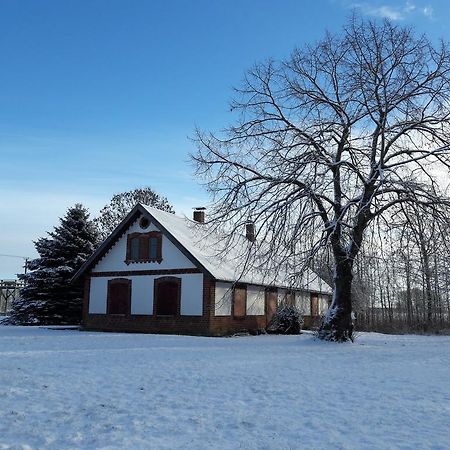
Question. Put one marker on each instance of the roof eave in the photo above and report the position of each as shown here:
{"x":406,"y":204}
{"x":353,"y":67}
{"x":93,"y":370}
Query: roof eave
{"x":125,"y":223}
{"x":104,"y":246}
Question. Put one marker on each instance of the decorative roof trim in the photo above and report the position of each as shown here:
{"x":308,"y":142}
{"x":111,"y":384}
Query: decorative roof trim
{"x":118,"y":232}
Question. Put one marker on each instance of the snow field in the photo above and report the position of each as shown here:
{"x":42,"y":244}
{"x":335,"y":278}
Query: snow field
{"x":62,"y":389}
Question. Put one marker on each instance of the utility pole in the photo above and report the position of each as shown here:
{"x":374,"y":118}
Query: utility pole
{"x":25,"y":258}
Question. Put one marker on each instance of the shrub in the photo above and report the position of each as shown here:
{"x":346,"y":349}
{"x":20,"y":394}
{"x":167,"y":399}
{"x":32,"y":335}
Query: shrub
{"x":286,"y":320}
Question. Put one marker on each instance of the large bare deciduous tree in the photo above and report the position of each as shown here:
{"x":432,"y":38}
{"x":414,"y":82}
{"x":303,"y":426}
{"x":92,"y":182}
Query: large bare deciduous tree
{"x":329,"y":142}
{"x":121,"y":204}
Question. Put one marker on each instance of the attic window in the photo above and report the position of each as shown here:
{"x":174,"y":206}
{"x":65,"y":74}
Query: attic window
{"x":144,"y":247}
{"x":144,"y":223}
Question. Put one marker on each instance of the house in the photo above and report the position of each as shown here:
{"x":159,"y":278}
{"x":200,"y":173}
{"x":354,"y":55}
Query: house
{"x":160,"y":273}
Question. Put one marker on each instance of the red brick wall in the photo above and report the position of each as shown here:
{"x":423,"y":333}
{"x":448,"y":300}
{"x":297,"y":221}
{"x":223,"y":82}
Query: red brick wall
{"x":196,"y":325}
{"x":311,"y":322}
{"x":86,"y":290}
{"x":225,"y":325}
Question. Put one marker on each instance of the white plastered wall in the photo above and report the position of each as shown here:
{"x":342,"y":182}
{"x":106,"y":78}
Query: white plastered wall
{"x":191,"y":295}
{"x":281,"y":296}
{"x":223,"y":299}
{"x":303,"y":302}
{"x":114,"y":260}
{"x":323,"y":304}
{"x":97,"y":295}
{"x":142,"y":289}
{"x":255,"y":300}
{"x":142,"y":295}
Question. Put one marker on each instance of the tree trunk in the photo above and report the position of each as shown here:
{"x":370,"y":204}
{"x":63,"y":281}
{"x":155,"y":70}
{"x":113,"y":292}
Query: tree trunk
{"x":409,"y":310}
{"x":337,"y":325}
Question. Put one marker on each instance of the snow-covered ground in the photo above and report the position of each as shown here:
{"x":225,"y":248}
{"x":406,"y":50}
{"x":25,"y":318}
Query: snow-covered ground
{"x":80,"y":390}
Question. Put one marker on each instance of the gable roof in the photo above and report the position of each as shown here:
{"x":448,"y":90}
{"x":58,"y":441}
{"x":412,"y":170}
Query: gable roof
{"x":201,"y":247}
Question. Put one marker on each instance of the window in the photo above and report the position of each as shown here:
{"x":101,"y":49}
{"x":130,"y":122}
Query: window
{"x":239,"y":301}
{"x":144,"y":223}
{"x":119,"y":296}
{"x":144,"y":247}
{"x":153,"y":248}
{"x":134,"y":251}
{"x":167,"y":296}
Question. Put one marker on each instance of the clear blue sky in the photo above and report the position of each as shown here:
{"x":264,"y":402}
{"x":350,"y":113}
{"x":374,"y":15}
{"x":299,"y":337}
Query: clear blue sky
{"x":86,"y":85}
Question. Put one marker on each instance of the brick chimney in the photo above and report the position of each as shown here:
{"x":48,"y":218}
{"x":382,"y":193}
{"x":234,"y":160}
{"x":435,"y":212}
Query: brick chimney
{"x":199,"y":214}
{"x":250,"y":231}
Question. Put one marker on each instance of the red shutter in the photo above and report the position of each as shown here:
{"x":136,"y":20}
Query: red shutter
{"x":119,"y":297}
{"x":314,"y":305}
{"x":271,"y":303}
{"x":240,"y":301}
{"x":167,"y":297}
{"x":143,"y":247}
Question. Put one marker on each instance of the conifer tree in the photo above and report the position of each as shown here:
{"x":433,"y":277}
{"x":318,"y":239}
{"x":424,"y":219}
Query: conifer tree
{"x":48,"y":296}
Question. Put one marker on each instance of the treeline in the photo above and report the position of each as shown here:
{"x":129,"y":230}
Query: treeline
{"x":402,"y":279}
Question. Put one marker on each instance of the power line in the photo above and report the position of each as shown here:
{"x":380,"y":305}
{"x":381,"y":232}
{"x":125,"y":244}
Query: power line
{"x":25,"y":259}
{"x":15,"y":256}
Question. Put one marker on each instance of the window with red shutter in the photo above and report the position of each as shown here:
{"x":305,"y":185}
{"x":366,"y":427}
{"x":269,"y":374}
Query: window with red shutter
{"x":144,"y":247}
{"x":167,"y":296}
{"x":119,"y":296}
{"x":153,"y":248}
{"x":134,"y":248}
{"x":314,"y":305}
{"x":240,"y":301}
{"x":271,"y":303}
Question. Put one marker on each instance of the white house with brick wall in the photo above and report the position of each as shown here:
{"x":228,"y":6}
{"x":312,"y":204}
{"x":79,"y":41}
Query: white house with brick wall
{"x":160,"y":273}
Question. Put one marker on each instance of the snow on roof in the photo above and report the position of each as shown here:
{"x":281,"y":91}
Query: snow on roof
{"x":234,"y":264}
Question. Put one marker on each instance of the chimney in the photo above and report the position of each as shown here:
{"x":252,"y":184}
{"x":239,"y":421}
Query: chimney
{"x":250,"y":231}
{"x":199,"y":214}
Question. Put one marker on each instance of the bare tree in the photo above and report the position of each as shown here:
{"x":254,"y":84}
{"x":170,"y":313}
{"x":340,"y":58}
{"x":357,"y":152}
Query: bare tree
{"x":121,"y":204}
{"x":329,"y":142}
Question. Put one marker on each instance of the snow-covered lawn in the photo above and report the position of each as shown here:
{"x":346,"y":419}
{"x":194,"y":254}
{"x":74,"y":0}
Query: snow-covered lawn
{"x":71,"y":389}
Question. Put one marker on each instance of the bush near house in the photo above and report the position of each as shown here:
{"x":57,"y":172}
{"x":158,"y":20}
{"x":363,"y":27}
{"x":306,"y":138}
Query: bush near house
{"x":286,"y":320}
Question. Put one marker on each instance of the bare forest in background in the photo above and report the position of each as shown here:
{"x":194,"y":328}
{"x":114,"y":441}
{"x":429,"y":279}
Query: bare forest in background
{"x":402,"y":276}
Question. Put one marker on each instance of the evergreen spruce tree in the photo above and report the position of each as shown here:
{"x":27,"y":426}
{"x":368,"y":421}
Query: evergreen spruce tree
{"x":48,"y":296}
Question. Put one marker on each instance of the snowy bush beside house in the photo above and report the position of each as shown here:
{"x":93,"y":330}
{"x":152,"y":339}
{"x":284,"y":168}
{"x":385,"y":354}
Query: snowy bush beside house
{"x":65,"y":389}
{"x":161,"y":273}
